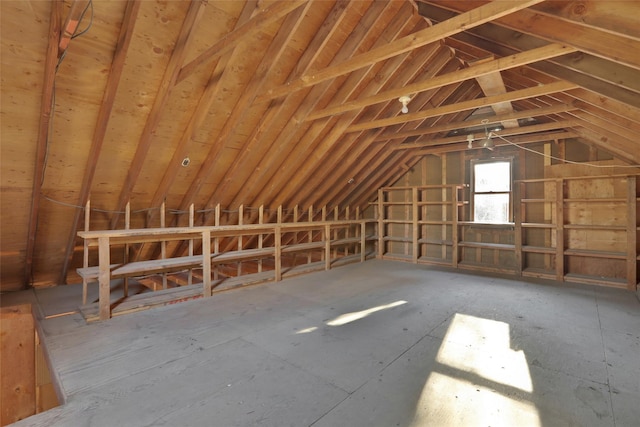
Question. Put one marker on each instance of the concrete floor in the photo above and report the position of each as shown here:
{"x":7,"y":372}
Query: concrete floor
{"x":373,"y":344}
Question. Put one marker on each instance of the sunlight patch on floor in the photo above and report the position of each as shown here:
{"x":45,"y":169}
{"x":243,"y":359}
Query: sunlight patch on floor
{"x":478,"y":380}
{"x":343,"y":319}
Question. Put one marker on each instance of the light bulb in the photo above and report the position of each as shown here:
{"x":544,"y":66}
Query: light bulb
{"x":405,"y":109}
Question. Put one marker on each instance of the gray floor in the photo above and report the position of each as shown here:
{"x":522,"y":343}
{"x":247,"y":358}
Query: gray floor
{"x":374,"y":344}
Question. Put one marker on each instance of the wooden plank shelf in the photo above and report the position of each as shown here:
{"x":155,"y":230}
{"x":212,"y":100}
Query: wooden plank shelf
{"x":595,"y":254}
{"x":435,"y":222}
{"x":435,"y":242}
{"x":538,"y":249}
{"x":596,"y":200}
{"x":537,"y":225}
{"x":106,"y":238}
{"x":594,"y":227}
{"x":498,"y":246}
{"x":595,"y":280}
{"x":539,"y":273}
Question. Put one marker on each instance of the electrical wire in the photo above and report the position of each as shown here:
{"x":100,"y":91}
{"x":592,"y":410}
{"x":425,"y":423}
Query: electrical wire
{"x":559,"y":159}
{"x":78,"y":34}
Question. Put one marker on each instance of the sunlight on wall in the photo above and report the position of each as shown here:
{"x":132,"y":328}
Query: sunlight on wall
{"x":479,"y":379}
{"x":356,"y":315}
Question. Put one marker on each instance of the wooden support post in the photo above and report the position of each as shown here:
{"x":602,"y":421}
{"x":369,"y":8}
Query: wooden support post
{"x":414,"y":219}
{"x":336,"y":231}
{"x":327,"y":247}
{"x":310,"y":233}
{"x":380,"y":223}
{"x":216,"y":240}
{"x":163,"y":244}
{"x":632,"y":230}
{"x":127,"y":226}
{"x":240,"y":239}
{"x":206,"y":263}
{"x":560,"y":230}
{"x":85,"y":255}
{"x":279,"y":218}
{"x":363,"y":241}
{"x":104,"y":278}
{"x":191,"y":224}
{"x":260,"y":236}
{"x":455,"y":251}
{"x":347,"y":232}
{"x":517,"y":238}
{"x":278,"y":249}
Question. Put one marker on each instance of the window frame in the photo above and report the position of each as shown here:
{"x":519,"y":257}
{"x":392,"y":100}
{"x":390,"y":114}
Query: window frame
{"x":473,"y":163}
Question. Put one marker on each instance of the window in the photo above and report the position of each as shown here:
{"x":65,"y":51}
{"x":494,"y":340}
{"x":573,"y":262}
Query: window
{"x":491,"y":187}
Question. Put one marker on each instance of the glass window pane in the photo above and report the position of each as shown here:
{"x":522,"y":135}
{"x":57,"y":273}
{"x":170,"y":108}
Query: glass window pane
{"x":491,"y":208}
{"x":494,"y":176}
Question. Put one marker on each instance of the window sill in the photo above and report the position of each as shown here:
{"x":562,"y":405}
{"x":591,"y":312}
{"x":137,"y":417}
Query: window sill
{"x":501,"y":226}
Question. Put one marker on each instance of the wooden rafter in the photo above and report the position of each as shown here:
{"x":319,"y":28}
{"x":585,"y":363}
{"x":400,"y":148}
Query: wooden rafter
{"x":330,"y":25}
{"x":537,"y":112}
{"x":429,"y":35}
{"x":466,"y":105}
{"x":321,"y":137}
{"x":605,"y":44}
{"x":506,"y":132}
{"x":196,"y":9}
{"x":398,"y":72}
{"x":46,"y":105}
{"x":198,"y":116}
{"x":275,"y":11}
{"x":500,"y":64}
{"x":599,"y":75}
{"x":102,"y":122}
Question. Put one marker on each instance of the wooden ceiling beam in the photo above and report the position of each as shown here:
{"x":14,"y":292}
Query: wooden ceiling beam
{"x":198,"y":117}
{"x":102,"y":122}
{"x":46,"y":106}
{"x":596,"y":74}
{"x":169,"y":79}
{"x":462,"y":22}
{"x":247,"y":163}
{"x":336,"y":146}
{"x":536,"y":112}
{"x":605,"y":44}
{"x":466,"y":105}
{"x":504,"y":133}
{"x":321,"y":137}
{"x":296,"y":107}
{"x":377,"y":157}
{"x":609,"y":142}
{"x":520,"y":140}
{"x":500,"y":64}
{"x":266,"y":17}
{"x":365,"y":155}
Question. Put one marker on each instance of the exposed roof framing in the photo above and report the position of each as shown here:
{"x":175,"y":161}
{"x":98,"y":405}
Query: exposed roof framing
{"x":218,"y":104}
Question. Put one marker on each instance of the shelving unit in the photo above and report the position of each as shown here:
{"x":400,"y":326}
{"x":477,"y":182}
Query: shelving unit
{"x":579,"y":229}
{"x":570,"y":229}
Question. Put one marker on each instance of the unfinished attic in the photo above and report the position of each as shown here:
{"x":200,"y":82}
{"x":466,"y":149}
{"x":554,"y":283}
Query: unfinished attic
{"x":350,"y":200}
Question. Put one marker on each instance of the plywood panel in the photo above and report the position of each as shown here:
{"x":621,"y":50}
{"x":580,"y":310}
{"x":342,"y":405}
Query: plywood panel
{"x":18,"y":378}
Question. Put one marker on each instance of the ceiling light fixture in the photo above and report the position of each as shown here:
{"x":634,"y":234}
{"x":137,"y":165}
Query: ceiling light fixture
{"x":486,"y":142}
{"x":404,"y":100}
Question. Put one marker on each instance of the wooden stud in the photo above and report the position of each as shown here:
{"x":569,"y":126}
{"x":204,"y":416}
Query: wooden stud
{"x":125,"y":258}
{"x":191,"y":224}
{"x":206,"y":263}
{"x":104,"y":278}
{"x":560,"y":230}
{"x":102,"y":121}
{"x":163,"y":244}
{"x":632,"y":234}
{"x":260,"y":236}
{"x":381,"y":226}
{"x":240,"y":238}
{"x":414,"y":225}
{"x":327,"y":247}
{"x":278,"y":252}
{"x":85,"y":255}
{"x":46,"y":107}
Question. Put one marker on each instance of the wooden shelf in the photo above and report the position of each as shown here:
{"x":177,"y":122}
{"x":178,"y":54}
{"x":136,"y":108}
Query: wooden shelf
{"x":435,"y":242}
{"x":397,"y":221}
{"x":539,"y":273}
{"x":498,"y":246}
{"x":538,"y":225}
{"x":596,"y":200}
{"x":437,"y":203}
{"x":595,"y":280}
{"x":595,"y":254}
{"x":537,"y":201}
{"x":594,"y":227}
{"x":538,"y":249}
{"x":422,"y":222}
